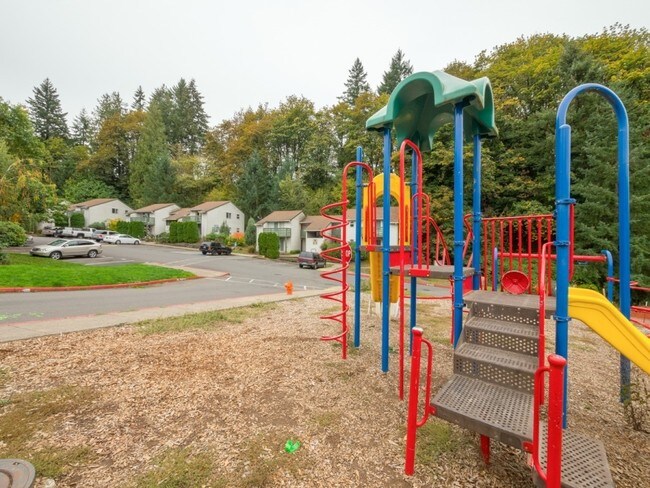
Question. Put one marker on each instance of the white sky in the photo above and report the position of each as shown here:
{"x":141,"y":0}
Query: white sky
{"x":255,"y":51}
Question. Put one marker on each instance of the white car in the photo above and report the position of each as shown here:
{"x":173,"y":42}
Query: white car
{"x":121,"y":239}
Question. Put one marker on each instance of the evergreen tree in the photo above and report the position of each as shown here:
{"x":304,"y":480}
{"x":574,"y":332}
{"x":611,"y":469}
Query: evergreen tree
{"x":108,"y":105}
{"x":151,"y":178}
{"x":187,"y":121}
{"x":199,"y":126}
{"x":399,"y":69}
{"x":46,"y":113}
{"x":256,"y":189}
{"x":356,"y":84}
{"x":251,"y":232}
{"x":138,"y":99}
{"x":82,"y":129}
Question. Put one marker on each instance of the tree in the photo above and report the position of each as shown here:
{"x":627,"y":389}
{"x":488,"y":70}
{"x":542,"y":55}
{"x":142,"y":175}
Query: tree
{"x":46,"y":113}
{"x":187,"y":121}
{"x":82,"y":129}
{"x":251,"y":232}
{"x":399,"y":69}
{"x":138,"y":99}
{"x":87,"y":189}
{"x":257,"y":189}
{"x":109,"y":105}
{"x":17,"y":132}
{"x":151,"y":178}
{"x":356,"y":84}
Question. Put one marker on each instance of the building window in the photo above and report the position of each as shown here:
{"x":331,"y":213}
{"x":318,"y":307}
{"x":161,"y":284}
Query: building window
{"x":114,"y":210}
{"x":237,"y":219}
{"x":228,"y":215}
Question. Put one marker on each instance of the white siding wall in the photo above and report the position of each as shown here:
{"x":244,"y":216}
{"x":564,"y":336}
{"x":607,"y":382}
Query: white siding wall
{"x":229,"y":213}
{"x":160,"y":225}
{"x":105,"y":212}
{"x":394,"y":231}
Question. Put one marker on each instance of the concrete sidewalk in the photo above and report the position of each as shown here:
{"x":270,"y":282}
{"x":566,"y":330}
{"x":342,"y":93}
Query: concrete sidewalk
{"x":29,"y":330}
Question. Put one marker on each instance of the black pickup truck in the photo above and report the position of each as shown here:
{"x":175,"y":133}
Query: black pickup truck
{"x":214,"y":248}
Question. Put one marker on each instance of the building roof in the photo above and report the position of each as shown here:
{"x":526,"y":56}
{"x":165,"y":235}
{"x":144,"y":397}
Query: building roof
{"x":207,"y":206}
{"x":280,"y":216}
{"x":179,"y":214}
{"x":314,"y":223}
{"x":91,"y":203}
{"x":394,"y":214}
{"x":153,"y":208}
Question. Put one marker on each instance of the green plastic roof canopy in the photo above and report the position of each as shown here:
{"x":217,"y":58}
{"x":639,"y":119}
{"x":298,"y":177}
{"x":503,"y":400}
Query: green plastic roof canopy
{"x":424,"y":102}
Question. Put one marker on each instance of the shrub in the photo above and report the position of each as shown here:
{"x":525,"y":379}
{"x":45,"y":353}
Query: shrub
{"x":98,"y":225}
{"x":184,"y":232}
{"x":122,"y":227}
{"x":136,"y":229}
{"x":77,"y":219}
{"x":4,"y":258}
{"x":112,"y":224}
{"x":163,"y":238}
{"x":12,"y":234}
{"x":271,"y":245}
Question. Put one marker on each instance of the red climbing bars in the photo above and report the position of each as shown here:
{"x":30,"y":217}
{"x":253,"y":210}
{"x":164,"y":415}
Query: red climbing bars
{"x":339,"y":274}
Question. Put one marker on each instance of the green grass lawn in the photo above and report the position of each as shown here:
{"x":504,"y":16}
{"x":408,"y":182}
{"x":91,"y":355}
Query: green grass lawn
{"x":27,"y":271}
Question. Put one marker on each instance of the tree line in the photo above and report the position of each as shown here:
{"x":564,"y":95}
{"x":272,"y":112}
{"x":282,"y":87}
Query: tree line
{"x":160,"y":147}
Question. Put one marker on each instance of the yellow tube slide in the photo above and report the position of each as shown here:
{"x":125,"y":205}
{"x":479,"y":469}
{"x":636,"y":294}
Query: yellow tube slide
{"x":376,"y":279}
{"x":608,"y":322}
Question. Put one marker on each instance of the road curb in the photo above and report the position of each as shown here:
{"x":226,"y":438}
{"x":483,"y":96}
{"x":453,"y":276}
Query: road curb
{"x":136,"y":284}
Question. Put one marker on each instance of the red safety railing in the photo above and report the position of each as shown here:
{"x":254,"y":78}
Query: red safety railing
{"x":553,"y":474}
{"x":412,"y":421}
{"x":519,"y":241}
{"x":339,"y":274}
{"x":640,"y":314}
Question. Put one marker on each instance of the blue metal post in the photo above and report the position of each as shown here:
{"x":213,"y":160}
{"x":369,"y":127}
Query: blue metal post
{"x":414,"y":240}
{"x":563,"y":200}
{"x":476,"y":217}
{"x":357,"y":254}
{"x":458,"y":220}
{"x":610,"y":274}
{"x":385,"y":290}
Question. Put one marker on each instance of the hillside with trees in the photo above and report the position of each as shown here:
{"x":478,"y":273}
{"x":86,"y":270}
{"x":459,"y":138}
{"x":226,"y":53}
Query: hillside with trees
{"x":161,"y":146}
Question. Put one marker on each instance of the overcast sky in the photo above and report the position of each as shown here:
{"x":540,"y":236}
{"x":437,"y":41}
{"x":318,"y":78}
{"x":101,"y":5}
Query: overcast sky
{"x":250,"y":52}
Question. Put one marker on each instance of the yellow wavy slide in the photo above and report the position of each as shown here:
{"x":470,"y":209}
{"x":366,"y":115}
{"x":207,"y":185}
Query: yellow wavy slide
{"x":608,"y":322}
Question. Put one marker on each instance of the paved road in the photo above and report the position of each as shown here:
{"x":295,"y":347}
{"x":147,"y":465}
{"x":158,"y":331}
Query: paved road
{"x":247,"y":276}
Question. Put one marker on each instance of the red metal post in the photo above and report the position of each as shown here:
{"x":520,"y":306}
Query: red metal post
{"x":414,"y":393}
{"x":485,"y":449}
{"x":555,"y":400}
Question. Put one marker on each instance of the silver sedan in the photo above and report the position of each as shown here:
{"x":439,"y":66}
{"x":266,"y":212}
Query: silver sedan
{"x":60,"y":248}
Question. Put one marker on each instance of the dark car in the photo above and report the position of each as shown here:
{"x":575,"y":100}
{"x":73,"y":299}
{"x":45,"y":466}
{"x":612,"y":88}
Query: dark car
{"x":311,"y":260}
{"x":214,"y":248}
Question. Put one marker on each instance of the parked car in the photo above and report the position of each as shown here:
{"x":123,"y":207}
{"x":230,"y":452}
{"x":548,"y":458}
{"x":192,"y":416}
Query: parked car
{"x":60,"y":248}
{"x":49,"y":231}
{"x":214,"y":248}
{"x":121,"y":239}
{"x":310,"y":260}
{"x":85,"y":232}
{"x":99,"y":235}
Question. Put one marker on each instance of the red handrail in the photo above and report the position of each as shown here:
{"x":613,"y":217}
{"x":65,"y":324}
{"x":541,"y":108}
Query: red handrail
{"x":412,"y":422}
{"x":341,"y":223}
{"x":553,"y":474}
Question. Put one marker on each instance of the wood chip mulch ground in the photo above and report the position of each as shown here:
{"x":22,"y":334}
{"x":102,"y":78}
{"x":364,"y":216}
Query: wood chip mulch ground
{"x":235,"y":393}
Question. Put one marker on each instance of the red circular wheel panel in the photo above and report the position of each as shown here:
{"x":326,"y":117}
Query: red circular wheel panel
{"x":515,"y":282}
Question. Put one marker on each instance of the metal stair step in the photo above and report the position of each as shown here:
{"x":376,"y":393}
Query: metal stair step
{"x":504,"y":306}
{"x":505,"y":368}
{"x":584,"y":461}
{"x":509,"y":336}
{"x":492,"y":410}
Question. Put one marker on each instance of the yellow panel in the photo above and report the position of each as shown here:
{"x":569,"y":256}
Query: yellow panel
{"x":395,"y":188}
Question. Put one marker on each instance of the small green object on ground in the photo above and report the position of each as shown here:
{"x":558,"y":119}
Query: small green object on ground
{"x":291,"y":446}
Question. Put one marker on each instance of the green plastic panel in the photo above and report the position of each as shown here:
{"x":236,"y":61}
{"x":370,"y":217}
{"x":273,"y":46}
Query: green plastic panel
{"x":424,"y":102}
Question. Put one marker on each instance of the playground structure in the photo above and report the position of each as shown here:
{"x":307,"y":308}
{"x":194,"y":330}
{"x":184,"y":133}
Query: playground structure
{"x":501,"y":273}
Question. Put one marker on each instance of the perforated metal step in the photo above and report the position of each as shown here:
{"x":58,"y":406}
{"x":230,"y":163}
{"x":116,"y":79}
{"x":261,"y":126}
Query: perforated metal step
{"x":505,"y":368}
{"x":496,"y":305}
{"x":509,"y":336}
{"x":584,"y":461}
{"x":496,"y":411}
{"x":442,"y":272}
